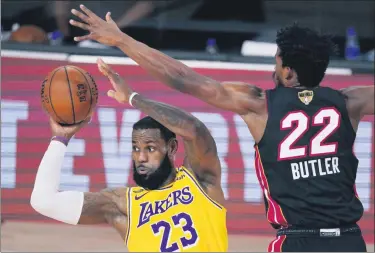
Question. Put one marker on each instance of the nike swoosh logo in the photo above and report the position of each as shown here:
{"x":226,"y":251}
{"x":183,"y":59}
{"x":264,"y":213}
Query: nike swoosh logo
{"x":137,"y":197}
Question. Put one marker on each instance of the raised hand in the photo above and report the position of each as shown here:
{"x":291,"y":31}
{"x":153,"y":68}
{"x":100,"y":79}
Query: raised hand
{"x":103,"y":31}
{"x":121,"y":90}
{"x":67,"y":131}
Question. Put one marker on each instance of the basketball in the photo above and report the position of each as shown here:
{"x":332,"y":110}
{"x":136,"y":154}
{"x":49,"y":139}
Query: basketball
{"x":69,"y":94}
{"x":29,"y":34}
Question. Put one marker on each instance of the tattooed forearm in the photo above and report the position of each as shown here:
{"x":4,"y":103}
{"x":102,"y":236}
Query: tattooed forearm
{"x":180,"y":77}
{"x":93,"y":203}
{"x":177,"y":120}
{"x":203,"y":148}
{"x":171,"y":72}
{"x":101,"y":207}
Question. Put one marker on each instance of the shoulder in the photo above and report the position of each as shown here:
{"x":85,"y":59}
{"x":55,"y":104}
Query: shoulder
{"x":251,"y":89}
{"x":205,"y":185}
{"x":115,"y":192}
{"x":213,"y":192}
{"x":118,"y":196}
{"x":328,"y":91}
{"x":136,"y":190}
{"x":352,"y":96}
{"x":186,"y":170}
{"x":353,"y":91}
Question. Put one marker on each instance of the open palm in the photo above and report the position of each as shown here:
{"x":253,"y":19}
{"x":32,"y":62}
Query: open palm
{"x":121,"y":91}
{"x":103,"y":31}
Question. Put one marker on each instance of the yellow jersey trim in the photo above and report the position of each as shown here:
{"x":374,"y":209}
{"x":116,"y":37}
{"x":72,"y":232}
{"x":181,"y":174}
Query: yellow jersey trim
{"x":195,"y":181}
{"x":128,"y":206}
{"x":192,"y":178}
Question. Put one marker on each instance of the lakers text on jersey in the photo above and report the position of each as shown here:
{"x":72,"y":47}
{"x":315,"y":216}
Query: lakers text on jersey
{"x":178,"y":217}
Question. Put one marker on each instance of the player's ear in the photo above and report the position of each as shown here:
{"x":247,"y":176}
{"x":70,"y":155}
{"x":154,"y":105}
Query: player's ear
{"x":286,"y":72}
{"x":290,"y":76}
{"x":292,"y":79}
{"x":172,"y":147}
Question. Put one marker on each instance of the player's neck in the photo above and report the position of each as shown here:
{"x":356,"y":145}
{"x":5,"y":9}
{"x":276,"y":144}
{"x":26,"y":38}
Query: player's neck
{"x":170,"y":178}
{"x":297,"y":86}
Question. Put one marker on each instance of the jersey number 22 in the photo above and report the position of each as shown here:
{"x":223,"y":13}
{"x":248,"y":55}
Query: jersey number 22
{"x":288,"y":150}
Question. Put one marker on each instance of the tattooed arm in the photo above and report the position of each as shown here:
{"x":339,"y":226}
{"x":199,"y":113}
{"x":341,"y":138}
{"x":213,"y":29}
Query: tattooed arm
{"x":103,"y":207}
{"x":74,"y":207}
{"x":238,"y":97}
{"x":359,"y":102}
{"x":106,"y":206}
{"x":200,"y":146}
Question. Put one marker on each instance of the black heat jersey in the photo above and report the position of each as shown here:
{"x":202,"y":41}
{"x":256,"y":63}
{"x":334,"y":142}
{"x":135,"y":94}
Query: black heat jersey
{"x":305,"y":162}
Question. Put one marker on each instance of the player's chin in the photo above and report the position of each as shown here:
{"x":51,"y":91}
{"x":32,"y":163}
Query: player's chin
{"x":143,"y":171}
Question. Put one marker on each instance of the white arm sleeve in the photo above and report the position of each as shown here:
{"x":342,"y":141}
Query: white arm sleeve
{"x":46,"y":199}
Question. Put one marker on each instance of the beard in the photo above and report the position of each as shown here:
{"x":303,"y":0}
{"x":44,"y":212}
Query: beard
{"x":155,"y":179}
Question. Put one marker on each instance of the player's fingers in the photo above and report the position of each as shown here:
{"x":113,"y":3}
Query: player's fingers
{"x":106,"y":68}
{"x":111,"y":73}
{"x":82,"y":38}
{"x":101,"y":64}
{"x":101,"y":68}
{"x":82,"y":16}
{"x":109,"y":69}
{"x":111,"y":94}
{"x":79,"y":24}
{"x":88,"y":12}
{"x":108,"y":17}
{"x":78,"y":126}
{"x":90,"y":117}
{"x":52,"y":122}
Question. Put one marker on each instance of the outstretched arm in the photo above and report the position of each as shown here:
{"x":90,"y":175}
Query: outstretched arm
{"x":200,"y":146}
{"x":73,"y":207}
{"x":238,"y":97}
{"x":360,"y":100}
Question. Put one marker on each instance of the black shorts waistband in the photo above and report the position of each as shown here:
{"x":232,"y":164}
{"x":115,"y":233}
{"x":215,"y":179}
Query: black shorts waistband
{"x":322,"y":232}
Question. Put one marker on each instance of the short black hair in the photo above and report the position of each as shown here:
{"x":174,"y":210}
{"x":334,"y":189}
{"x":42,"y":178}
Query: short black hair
{"x":306,"y":52}
{"x":149,"y":123}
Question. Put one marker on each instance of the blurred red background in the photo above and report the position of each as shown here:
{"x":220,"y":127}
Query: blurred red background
{"x":101,"y":151}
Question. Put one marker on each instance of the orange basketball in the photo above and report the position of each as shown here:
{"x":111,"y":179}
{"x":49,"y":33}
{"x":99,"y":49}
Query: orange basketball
{"x":69,"y":94}
{"x":29,"y":34}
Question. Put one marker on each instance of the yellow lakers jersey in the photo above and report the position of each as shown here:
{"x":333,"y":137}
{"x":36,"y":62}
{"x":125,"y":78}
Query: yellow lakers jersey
{"x":177,"y":217}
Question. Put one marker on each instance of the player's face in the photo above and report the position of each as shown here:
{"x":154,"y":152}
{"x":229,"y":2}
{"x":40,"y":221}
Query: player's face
{"x":277,"y":74}
{"x":152,"y":158}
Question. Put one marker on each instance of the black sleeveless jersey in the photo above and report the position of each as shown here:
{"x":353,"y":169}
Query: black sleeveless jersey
{"x":305,"y":162}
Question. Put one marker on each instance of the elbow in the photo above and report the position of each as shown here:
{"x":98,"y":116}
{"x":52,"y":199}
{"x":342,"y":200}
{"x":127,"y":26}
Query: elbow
{"x":39,"y":202}
{"x":191,"y":129}
{"x":197,"y":128}
{"x":65,"y":207}
{"x":36,"y":202}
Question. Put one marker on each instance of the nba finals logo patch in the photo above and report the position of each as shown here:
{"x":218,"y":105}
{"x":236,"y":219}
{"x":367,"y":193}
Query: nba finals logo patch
{"x":306,"y":96}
